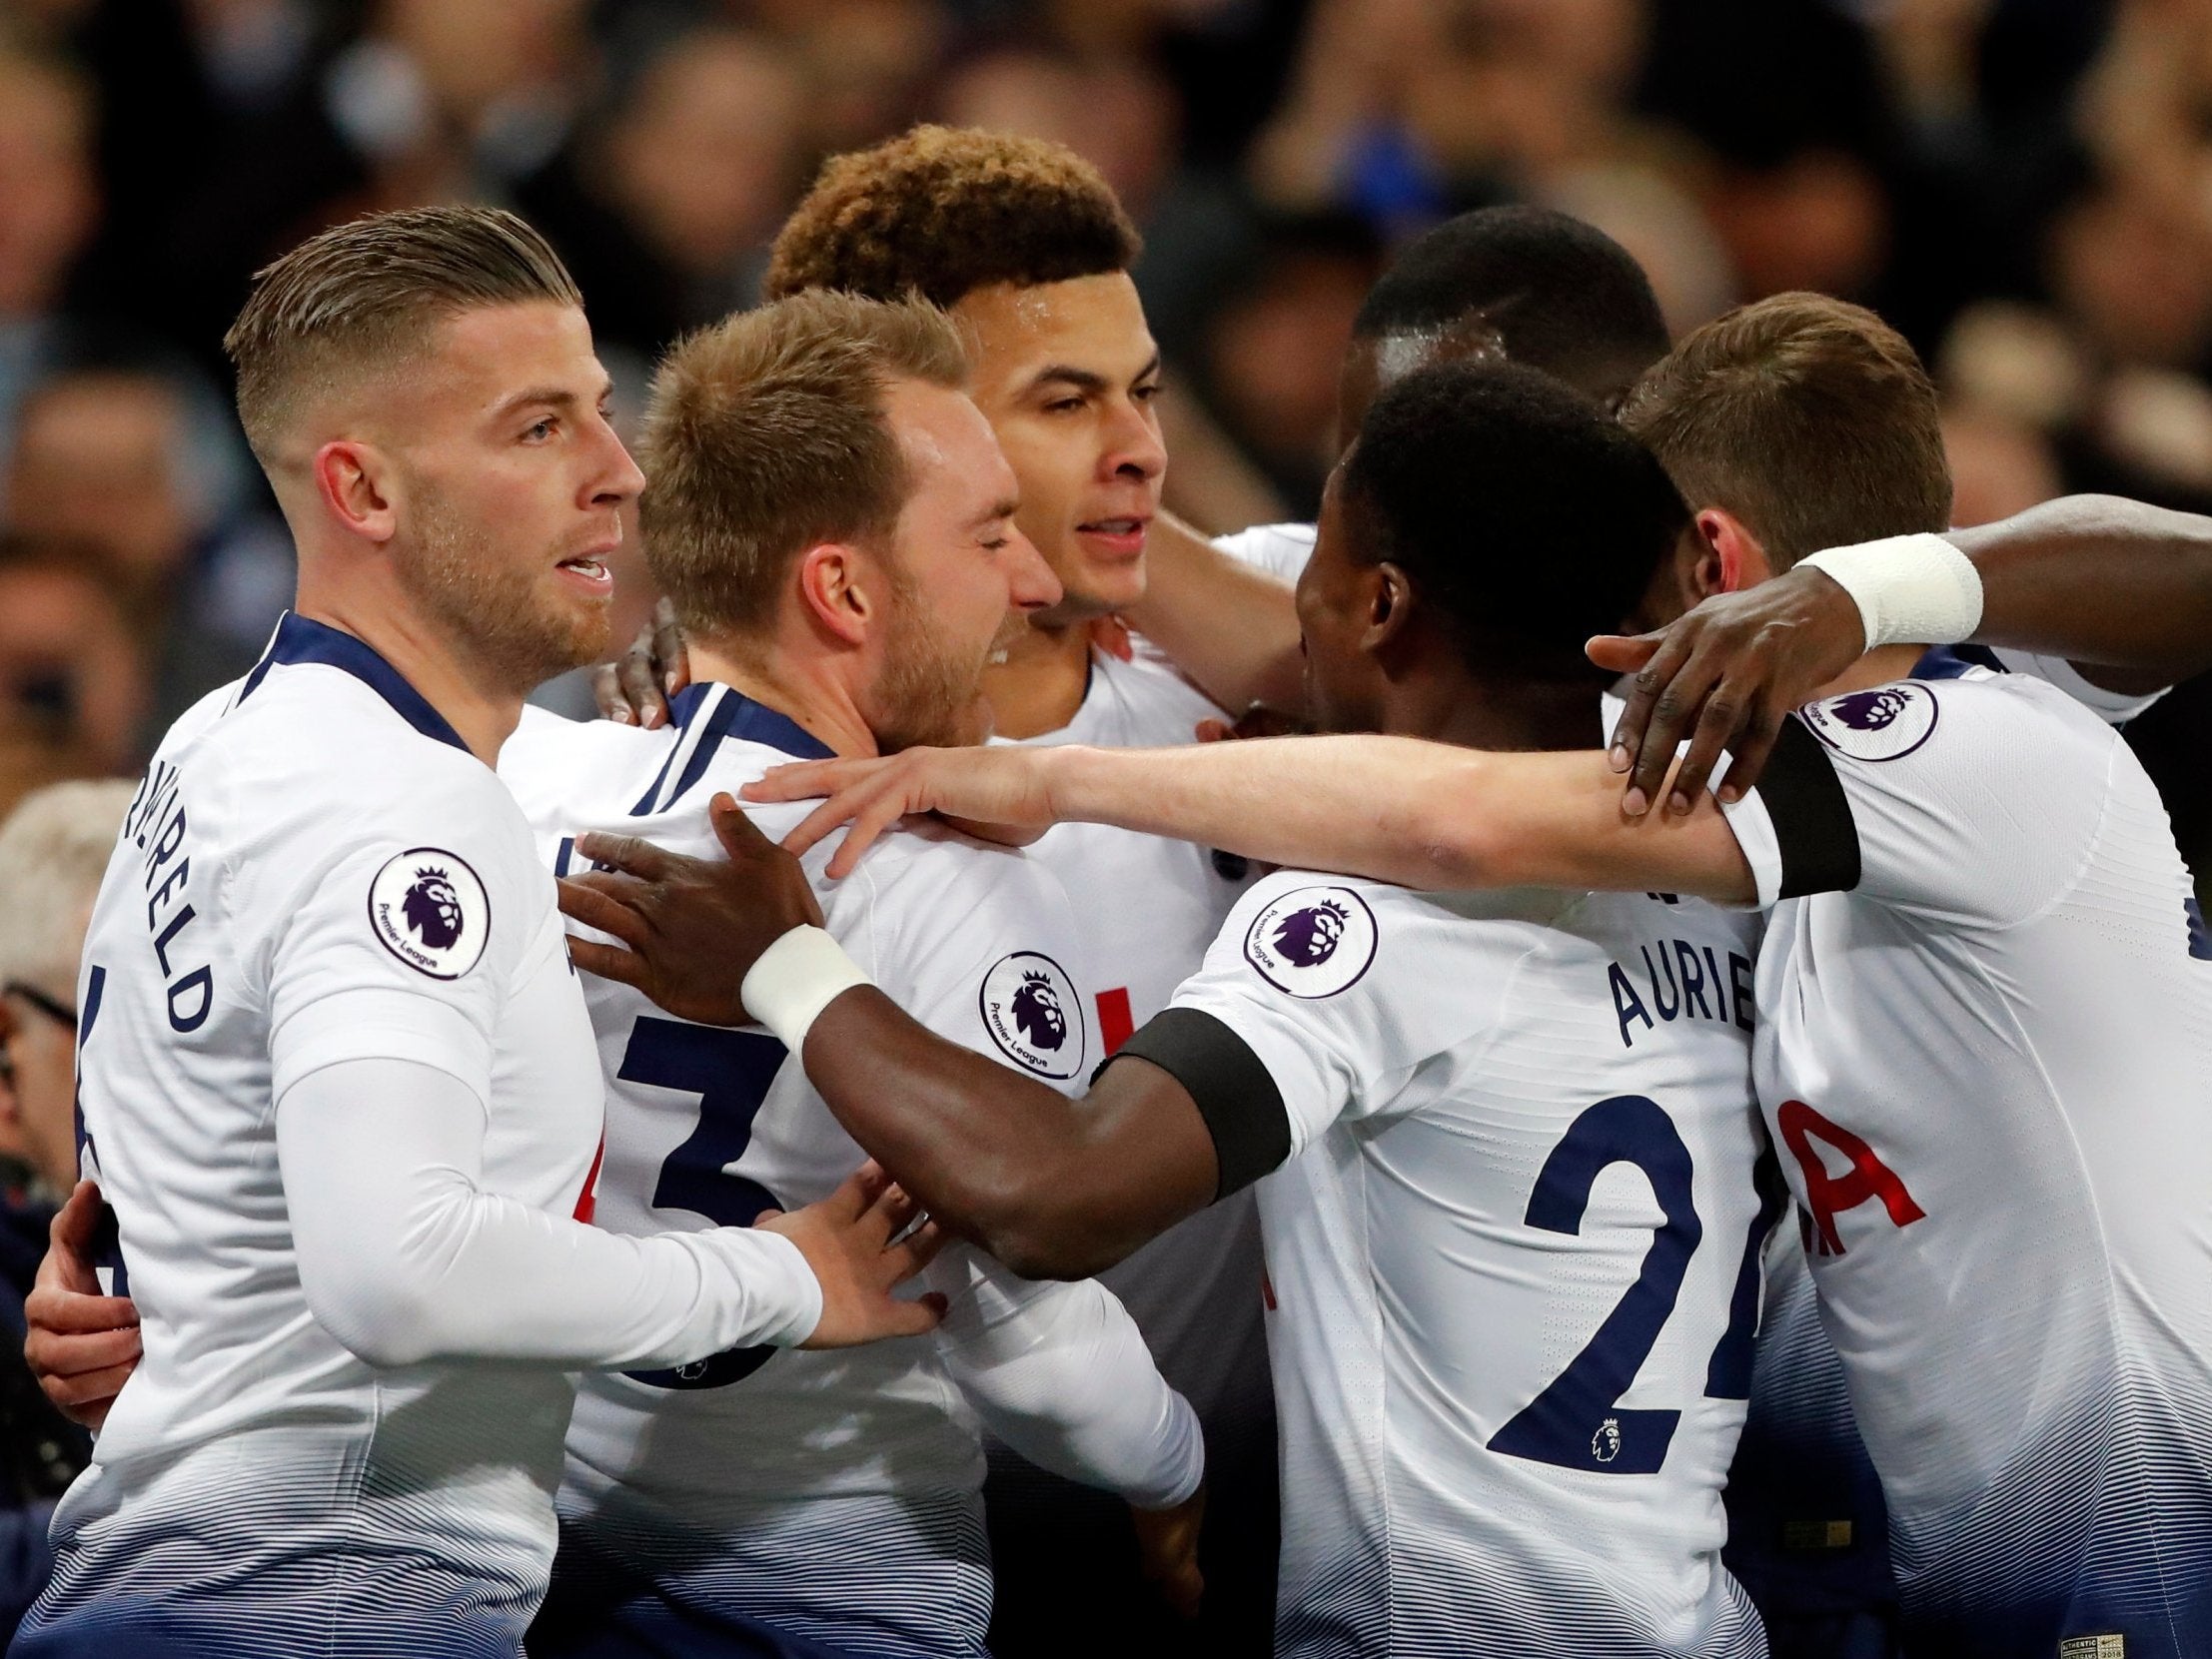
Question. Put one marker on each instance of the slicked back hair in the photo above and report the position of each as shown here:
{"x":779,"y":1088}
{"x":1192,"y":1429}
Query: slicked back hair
{"x":1560,"y":294}
{"x":943,"y":211}
{"x":767,"y":434}
{"x":1522,"y":512}
{"x":366,"y":295}
{"x":1808,"y":418}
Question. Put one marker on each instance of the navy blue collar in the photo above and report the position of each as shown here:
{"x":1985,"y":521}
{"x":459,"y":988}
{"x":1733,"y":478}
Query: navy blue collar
{"x":738,"y":716}
{"x":733,"y":716}
{"x":299,"y":639}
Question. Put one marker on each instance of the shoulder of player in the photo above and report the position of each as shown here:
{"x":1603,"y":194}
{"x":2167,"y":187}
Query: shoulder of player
{"x":932,"y":869}
{"x":302,"y":784}
{"x":1935,"y":721}
{"x":1313,"y":934}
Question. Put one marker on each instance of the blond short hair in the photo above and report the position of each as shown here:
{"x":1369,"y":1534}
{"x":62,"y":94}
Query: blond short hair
{"x":766,"y":435}
{"x":1807,"y":417}
{"x":54,"y":849}
{"x":363,"y":297}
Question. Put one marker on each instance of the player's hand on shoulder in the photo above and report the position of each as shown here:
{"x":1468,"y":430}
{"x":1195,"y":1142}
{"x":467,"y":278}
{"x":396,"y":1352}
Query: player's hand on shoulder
{"x":636,"y":689}
{"x":995,"y":794}
{"x":1726,"y":676}
{"x":82,"y":1346}
{"x":862,"y":1244}
{"x":1167,"y":1550}
{"x":689,"y":929}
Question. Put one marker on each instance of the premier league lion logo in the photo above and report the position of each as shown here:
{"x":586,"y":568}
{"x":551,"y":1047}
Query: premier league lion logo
{"x":433,"y":909}
{"x":1037,"y":1012}
{"x":1870,"y":710}
{"x":1034,"y":1014}
{"x":1310,"y":937}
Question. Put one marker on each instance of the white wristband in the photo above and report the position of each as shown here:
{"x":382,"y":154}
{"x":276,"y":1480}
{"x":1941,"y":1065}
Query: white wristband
{"x":1910,"y":589}
{"x":795,"y":980}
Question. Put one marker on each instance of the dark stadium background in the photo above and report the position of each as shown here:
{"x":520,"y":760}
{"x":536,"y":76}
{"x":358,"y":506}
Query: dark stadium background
{"x":2023,"y":185}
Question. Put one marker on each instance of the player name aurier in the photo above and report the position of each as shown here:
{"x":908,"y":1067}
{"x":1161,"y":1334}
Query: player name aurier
{"x":1671,"y":979}
{"x":156,"y":826}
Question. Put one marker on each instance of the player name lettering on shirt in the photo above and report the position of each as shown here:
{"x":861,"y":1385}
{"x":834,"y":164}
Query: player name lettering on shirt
{"x":1671,"y":979}
{"x":156,"y":825}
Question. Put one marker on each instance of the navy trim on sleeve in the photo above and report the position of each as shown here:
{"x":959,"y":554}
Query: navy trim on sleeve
{"x":1812,"y":815}
{"x":1237,"y":1097}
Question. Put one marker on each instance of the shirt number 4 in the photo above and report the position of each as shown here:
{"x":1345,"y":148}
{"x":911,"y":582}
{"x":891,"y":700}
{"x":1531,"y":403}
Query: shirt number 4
{"x":1578,"y":1422}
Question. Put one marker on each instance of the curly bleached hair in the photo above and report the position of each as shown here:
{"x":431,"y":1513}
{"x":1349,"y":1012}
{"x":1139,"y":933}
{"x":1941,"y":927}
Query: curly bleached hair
{"x":942,"y":211}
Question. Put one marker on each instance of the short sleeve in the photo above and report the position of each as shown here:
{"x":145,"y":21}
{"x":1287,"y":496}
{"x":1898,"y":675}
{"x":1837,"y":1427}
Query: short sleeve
{"x":980,"y":945}
{"x":1972,"y":803}
{"x":1315,"y":1003}
{"x":400,"y":941}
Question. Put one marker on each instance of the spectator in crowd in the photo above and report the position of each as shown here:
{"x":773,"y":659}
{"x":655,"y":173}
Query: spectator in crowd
{"x":664,"y":210}
{"x":74,"y":685}
{"x":49,"y":209}
{"x":53,"y":848}
{"x":103,"y":460}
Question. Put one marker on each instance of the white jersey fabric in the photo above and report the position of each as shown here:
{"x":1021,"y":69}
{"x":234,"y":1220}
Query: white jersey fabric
{"x":1514,"y":1241}
{"x":828,"y":1496}
{"x":1279,"y":549}
{"x":1148,"y":908}
{"x":1985,"y":1053}
{"x":317,"y":871}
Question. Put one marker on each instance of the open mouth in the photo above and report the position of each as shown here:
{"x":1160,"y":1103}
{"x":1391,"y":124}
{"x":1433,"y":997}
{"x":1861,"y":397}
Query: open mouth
{"x":1122,"y":534}
{"x":588,"y":569}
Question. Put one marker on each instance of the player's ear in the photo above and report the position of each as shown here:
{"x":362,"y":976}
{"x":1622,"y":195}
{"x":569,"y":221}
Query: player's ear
{"x":357,"y":485}
{"x":841,"y":592}
{"x":1732,"y":557}
{"x":1390,"y":605}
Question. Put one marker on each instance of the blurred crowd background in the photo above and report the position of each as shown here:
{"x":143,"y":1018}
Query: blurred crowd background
{"x":2024,"y":187}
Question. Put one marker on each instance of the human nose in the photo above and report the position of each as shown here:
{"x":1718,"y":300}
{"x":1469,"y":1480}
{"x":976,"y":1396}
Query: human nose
{"x":1030,"y":583}
{"x":1134,"y":444}
{"x":617,"y":479}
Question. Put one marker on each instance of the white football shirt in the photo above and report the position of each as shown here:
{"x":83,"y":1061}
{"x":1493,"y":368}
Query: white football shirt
{"x":1514,"y":1239}
{"x":1147,"y":908}
{"x":1985,"y":1055}
{"x":832,"y":1495}
{"x":315,"y":870}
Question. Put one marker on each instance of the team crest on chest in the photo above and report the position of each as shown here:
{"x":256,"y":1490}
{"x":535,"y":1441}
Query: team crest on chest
{"x":428,"y":908}
{"x":1886,"y":723}
{"x":1314,"y":942}
{"x":1032,"y":1011}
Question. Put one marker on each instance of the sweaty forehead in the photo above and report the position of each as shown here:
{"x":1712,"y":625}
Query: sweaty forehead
{"x":948,"y":445}
{"x":1091,"y":323}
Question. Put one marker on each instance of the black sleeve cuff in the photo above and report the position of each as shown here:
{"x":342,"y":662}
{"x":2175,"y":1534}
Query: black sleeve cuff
{"x":1237,"y":1097}
{"x":1812,"y":815}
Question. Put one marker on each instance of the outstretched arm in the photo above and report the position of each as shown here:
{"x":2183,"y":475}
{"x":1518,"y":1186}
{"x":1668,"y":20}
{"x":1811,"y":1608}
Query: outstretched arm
{"x":2122,"y":590}
{"x":1423,"y":815}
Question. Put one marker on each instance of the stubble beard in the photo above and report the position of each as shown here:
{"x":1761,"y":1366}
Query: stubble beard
{"x":516,"y":635}
{"x":928,"y":695}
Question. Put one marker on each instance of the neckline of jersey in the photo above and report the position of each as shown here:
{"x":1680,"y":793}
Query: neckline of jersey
{"x":749,"y":721}
{"x":302,"y":639}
